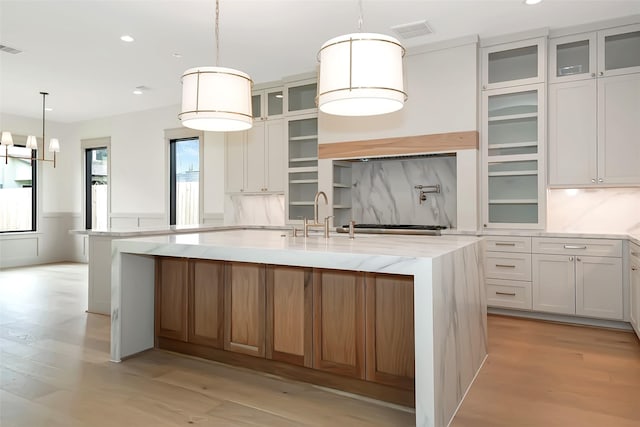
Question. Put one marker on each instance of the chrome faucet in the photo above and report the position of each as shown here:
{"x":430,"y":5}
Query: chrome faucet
{"x":315,"y":222}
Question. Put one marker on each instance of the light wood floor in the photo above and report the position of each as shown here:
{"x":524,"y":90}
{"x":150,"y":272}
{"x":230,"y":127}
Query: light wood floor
{"x":54,"y":371}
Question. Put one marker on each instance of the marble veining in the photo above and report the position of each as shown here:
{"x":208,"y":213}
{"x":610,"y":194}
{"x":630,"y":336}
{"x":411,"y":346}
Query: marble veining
{"x":383,"y":191}
{"x":606,"y":210}
{"x":254,"y":209}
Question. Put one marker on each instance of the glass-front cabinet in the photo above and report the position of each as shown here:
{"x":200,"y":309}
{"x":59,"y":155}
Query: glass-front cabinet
{"x":605,"y":53}
{"x":267,"y":103}
{"x":302,"y":168}
{"x":514,"y":64}
{"x":513,"y":149}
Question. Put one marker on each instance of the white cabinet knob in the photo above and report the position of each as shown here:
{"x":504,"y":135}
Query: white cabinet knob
{"x":600,"y":180}
{"x":593,"y":180}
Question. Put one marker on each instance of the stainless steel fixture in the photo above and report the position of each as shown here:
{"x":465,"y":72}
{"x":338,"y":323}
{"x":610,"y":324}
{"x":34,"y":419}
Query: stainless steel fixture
{"x":424,"y":190}
{"x":425,"y":230}
{"x":315,"y":223}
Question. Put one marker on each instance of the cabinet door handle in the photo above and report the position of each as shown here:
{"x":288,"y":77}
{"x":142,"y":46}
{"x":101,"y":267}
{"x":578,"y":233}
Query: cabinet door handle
{"x":634,"y":268}
{"x":574,"y":247}
{"x":505,"y":266}
{"x":578,"y":259}
{"x":504,"y":244}
{"x":601,"y":73}
{"x":600,"y":180}
{"x":635,"y":253}
{"x":570,"y":258}
{"x":593,"y":74}
{"x":593,"y":180}
{"x":510,"y":294}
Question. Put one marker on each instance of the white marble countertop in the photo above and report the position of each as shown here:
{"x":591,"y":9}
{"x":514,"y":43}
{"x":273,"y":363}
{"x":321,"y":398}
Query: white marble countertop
{"x":371,"y":252}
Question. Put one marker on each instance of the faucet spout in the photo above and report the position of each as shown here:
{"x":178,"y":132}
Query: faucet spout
{"x":315,"y":205}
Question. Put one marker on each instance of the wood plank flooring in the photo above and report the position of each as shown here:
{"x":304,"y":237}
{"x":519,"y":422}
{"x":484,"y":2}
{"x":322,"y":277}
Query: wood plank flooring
{"x":54,"y":371}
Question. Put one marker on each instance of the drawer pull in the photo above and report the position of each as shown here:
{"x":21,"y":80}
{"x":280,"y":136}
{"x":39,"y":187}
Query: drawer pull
{"x":574,"y":247}
{"x":635,"y":253}
{"x":505,"y":266}
{"x":634,"y":268}
{"x":509,"y":294}
{"x":505,"y":244}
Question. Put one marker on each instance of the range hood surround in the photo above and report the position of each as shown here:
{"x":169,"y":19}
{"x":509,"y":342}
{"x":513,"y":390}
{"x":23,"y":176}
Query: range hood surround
{"x":450,"y":142}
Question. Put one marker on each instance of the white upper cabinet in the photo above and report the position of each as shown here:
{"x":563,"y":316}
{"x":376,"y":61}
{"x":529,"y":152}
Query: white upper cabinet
{"x":605,"y":53}
{"x":619,"y":51}
{"x":514,"y":64}
{"x":594,"y":108}
{"x":301,"y":97}
{"x":267,"y":104}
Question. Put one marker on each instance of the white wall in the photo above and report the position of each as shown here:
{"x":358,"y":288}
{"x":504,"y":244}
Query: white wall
{"x":442,"y":89}
{"x":138,"y":181}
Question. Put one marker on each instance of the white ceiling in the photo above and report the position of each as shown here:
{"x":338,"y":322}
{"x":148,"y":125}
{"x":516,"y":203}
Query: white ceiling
{"x":72,"y":49}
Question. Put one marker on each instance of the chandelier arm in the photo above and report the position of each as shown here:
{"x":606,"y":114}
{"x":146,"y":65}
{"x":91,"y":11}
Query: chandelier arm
{"x":217,"y":30}
{"x":360,"y":18}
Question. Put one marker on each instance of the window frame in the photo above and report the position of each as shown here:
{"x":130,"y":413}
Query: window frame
{"x":21,"y":141}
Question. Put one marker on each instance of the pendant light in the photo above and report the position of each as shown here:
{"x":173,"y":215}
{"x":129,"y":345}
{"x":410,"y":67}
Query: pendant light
{"x":216,"y":98}
{"x":361,"y":74}
{"x":32,"y":143}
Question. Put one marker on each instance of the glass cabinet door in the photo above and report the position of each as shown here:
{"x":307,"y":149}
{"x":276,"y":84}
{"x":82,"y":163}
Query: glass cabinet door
{"x":301,"y":98}
{"x":513,"y":132}
{"x":619,"y":51}
{"x":572,"y":58}
{"x":512,"y":64}
{"x":267,"y":104}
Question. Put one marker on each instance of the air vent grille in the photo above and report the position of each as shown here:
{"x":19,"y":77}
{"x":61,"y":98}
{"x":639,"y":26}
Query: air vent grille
{"x":8,"y":49}
{"x":412,"y":29}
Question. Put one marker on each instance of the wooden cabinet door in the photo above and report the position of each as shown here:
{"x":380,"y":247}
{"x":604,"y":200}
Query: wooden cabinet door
{"x":244,"y":308}
{"x":554,"y":288}
{"x":573,"y":133}
{"x":172,"y":277}
{"x":206,"y":303}
{"x":390,"y":332}
{"x":338,"y":322}
{"x":289,"y":328}
{"x":599,"y":287}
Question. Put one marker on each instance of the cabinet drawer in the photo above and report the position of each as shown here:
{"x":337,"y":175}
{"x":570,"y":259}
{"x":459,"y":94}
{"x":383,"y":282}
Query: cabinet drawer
{"x":509,"y":294}
{"x":562,"y":246}
{"x":508,"y":244}
{"x":502,"y":265}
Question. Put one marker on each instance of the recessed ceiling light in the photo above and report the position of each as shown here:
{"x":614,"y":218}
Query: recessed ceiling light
{"x":532,"y":2}
{"x":137,"y":92}
{"x":127,"y":38}
{"x":48,"y":109}
{"x":177,"y":55}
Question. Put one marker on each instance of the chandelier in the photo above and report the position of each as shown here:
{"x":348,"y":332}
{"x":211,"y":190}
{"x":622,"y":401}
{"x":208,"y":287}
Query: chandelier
{"x":6,"y":141}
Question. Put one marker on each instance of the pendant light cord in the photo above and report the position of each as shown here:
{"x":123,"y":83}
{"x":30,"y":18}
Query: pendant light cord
{"x":360,"y":19}
{"x":217,"y":33}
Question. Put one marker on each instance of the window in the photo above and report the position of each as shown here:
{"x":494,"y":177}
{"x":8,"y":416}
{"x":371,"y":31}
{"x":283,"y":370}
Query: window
{"x":184,"y":181}
{"x":96,"y":188}
{"x":18,"y":188}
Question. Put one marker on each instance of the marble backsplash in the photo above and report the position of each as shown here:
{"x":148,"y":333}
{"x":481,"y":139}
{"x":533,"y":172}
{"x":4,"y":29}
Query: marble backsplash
{"x":256,"y":209}
{"x":606,"y":210}
{"x":383,"y":191}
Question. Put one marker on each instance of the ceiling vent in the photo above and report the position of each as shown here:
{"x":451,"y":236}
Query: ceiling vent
{"x":412,"y":29}
{"x":8,"y":49}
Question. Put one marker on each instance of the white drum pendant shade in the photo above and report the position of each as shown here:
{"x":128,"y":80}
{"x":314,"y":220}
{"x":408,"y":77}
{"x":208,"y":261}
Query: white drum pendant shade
{"x":216,"y":99}
{"x":361,"y":75}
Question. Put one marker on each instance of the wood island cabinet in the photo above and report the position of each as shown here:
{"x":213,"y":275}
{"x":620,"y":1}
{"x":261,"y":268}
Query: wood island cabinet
{"x":338,"y":322}
{"x":389,"y":330}
{"x":206,"y":303}
{"x":244,"y":308}
{"x":172,"y":279}
{"x":289,"y":329}
{"x":345,"y":329}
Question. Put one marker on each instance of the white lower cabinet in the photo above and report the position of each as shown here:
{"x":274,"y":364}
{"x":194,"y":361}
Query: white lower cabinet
{"x":507,"y":262}
{"x":554,"y":288}
{"x":572,"y":283}
{"x":634,"y":287}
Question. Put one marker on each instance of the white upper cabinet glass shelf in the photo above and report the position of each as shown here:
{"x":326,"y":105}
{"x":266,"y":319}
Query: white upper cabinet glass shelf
{"x":514,"y":64}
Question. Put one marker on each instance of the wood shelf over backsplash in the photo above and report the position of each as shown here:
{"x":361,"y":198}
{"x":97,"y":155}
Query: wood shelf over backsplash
{"x":401,"y":146}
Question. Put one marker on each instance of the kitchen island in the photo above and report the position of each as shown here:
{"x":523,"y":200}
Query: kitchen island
{"x":448,"y":294}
